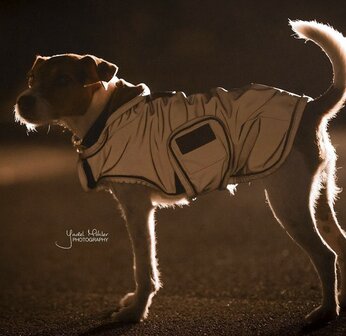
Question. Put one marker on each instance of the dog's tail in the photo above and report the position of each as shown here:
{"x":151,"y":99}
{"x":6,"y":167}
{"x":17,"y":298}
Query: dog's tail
{"x":333,"y":44}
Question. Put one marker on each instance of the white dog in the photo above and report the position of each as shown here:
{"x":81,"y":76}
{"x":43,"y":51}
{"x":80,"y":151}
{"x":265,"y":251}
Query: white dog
{"x":155,"y":150}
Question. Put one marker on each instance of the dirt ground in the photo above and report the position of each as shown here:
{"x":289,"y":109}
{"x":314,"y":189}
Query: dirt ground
{"x":227,"y":267}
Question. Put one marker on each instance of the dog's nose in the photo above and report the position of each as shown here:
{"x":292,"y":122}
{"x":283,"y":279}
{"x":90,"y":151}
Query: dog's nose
{"x":26,"y":102}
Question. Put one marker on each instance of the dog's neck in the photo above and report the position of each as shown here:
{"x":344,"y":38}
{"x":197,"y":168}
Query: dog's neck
{"x":79,"y":125}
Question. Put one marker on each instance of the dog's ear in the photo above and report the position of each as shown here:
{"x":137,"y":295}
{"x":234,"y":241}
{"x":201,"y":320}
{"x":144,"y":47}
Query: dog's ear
{"x":39,"y":60}
{"x":96,"y":69}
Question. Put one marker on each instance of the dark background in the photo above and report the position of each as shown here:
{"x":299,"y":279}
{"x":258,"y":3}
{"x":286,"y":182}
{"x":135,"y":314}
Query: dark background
{"x":180,"y":45}
{"x":227,"y":266}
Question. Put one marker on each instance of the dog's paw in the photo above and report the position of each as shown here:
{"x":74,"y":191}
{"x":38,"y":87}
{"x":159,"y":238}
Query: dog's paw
{"x":127,"y":300}
{"x":320,"y":317}
{"x":129,"y":314}
{"x":134,"y":307}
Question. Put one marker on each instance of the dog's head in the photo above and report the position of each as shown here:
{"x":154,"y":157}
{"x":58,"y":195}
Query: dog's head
{"x":61,"y":86}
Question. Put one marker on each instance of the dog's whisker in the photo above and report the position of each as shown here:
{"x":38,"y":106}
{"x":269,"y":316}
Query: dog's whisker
{"x":17,"y":117}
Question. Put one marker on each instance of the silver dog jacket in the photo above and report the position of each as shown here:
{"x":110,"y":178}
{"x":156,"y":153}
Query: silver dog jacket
{"x":195,"y":144}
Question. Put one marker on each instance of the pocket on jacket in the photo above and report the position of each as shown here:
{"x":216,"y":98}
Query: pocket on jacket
{"x":201,"y":153}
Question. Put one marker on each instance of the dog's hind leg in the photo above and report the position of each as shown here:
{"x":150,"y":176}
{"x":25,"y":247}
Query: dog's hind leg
{"x":330,"y":229}
{"x":138,"y":213}
{"x":289,"y":193}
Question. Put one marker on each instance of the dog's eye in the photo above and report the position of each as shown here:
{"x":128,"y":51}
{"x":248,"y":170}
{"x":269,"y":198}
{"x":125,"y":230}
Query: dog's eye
{"x":63,"y":80}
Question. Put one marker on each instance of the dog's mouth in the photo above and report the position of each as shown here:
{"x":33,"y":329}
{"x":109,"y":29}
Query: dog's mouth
{"x":30,"y":124}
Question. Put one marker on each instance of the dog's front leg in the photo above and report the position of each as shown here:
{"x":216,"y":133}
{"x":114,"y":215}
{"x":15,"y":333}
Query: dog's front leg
{"x":138,"y":212}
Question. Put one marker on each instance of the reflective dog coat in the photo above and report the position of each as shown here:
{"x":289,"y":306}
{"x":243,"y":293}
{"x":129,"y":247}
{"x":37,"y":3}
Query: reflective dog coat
{"x":195,"y":144}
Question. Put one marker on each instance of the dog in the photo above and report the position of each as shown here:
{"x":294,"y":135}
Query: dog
{"x":84,"y":95}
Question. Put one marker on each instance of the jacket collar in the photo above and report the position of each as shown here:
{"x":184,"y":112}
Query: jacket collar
{"x":122,"y":93}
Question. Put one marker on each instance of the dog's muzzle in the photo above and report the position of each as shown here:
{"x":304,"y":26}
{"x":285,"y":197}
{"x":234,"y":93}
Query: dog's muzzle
{"x":26,"y":105}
